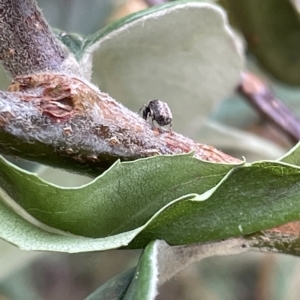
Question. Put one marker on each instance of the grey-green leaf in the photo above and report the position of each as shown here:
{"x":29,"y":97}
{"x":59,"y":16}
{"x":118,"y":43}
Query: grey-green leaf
{"x":159,"y":262}
{"x":176,"y":198}
{"x":293,"y":156}
{"x":122,"y":199}
{"x":251,"y":198}
{"x":74,"y":42}
{"x":145,"y":280}
{"x":181,"y":52}
{"x":31,"y":236}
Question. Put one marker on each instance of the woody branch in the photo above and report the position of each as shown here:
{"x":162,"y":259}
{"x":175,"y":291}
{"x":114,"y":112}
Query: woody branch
{"x":52,"y":116}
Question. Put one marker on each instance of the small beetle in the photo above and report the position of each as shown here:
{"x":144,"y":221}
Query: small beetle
{"x":158,"y":111}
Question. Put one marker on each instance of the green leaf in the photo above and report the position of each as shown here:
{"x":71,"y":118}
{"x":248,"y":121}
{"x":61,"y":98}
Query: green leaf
{"x":115,"y":288}
{"x":142,"y":282}
{"x":272,"y":30}
{"x":159,"y":262}
{"x":145,"y":280}
{"x":293,"y":156}
{"x":33,"y":236}
{"x":177,"y":198}
{"x":122,"y":199}
{"x":251,"y":198}
{"x":74,"y":42}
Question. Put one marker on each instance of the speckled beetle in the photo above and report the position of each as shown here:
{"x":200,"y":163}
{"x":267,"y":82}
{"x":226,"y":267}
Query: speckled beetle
{"x":158,"y":111}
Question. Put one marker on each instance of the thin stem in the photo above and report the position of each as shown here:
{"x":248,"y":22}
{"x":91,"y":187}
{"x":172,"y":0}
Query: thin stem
{"x":262,"y":99}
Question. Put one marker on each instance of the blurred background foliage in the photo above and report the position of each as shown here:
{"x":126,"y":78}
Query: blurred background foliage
{"x":270,"y":30}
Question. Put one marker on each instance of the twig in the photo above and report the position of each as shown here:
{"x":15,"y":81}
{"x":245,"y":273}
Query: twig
{"x":262,"y":99}
{"x":27,"y":44}
{"x":68,"y":123}
{"x":282,"y":239}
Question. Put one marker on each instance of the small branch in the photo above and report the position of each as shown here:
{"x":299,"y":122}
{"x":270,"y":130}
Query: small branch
{"x":27,"y":44}
{"x":262,"y":99}
{"x":68,"y":123}
{"x":172,"y":260}
{"x":283,"y":239}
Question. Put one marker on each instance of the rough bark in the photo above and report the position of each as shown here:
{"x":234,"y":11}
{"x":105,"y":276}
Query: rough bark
{"x":27,"y":44}
{"x":66,"y":122}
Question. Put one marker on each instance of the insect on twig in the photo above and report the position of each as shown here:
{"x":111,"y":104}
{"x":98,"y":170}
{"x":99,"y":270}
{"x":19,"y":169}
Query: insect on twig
{"x":158,"y":111}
